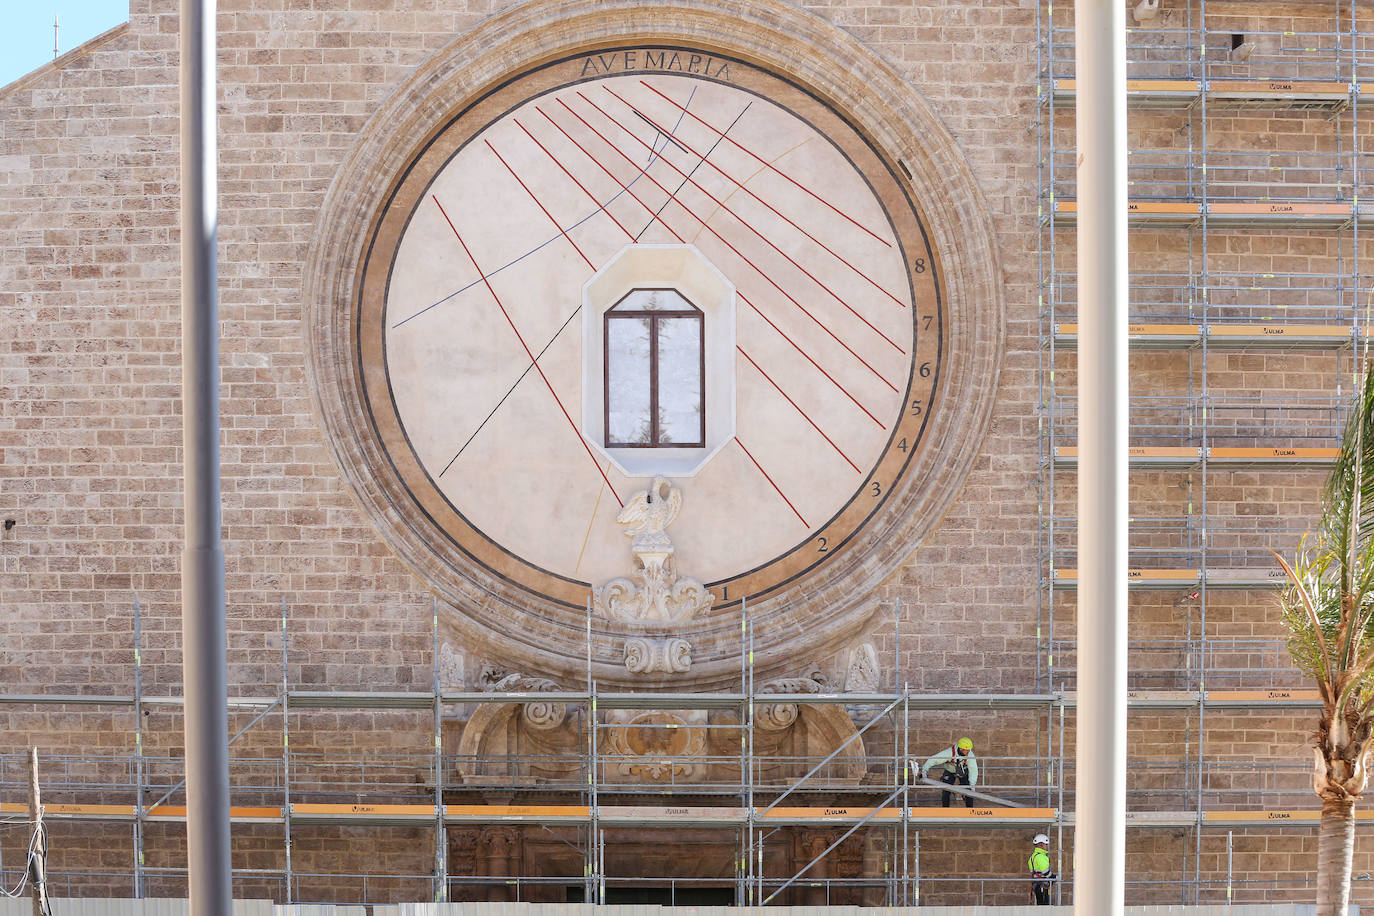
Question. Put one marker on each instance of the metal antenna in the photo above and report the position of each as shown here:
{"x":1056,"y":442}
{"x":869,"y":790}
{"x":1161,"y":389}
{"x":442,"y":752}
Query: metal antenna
{"x":54,"y":36}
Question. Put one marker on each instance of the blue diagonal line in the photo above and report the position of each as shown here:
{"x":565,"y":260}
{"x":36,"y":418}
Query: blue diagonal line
{"x":555,"y":238}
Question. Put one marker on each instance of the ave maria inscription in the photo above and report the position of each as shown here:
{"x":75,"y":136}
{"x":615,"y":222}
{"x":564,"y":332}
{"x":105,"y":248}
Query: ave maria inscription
{"x":656,"y":59}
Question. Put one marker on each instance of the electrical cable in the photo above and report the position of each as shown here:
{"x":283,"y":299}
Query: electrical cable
{"x":28,"y":865}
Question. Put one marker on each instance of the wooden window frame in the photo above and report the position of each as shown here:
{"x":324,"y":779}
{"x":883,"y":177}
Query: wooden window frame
{"x":652,"y":314}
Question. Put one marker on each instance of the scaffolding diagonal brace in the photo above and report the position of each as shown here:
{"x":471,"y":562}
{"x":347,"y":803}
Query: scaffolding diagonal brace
{"x":831,"y":756}
{"x":829,"y":849}
{"x":256,"y":719}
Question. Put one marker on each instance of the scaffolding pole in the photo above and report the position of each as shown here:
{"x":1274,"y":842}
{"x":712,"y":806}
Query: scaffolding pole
{"x":440,"y":830}
{"x":285,"y":755}
{"x":139,"y":775}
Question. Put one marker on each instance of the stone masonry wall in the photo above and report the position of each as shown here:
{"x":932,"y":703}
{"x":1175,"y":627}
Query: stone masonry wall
{"x":90,"y":433}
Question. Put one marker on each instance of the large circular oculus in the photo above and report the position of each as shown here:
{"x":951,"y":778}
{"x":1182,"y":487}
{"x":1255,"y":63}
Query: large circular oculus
{"x":650,"y":257}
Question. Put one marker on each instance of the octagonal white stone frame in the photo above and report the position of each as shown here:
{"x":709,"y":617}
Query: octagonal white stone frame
{"x":685,"y":269}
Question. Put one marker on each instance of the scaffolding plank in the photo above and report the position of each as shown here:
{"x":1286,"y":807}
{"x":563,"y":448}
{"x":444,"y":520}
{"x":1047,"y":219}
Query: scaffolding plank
{"x":679,"y":816}
{"x":839,"y":814}
{"x":1300,"y":91}
{"x":1281,"y":212}
{"x":236,"y":813}
{"x":569,"y":697}
{"x":1140,"y":335}
{"x":1265,"y":817}
{"x":1262,"y":698}
{"x":363,"y":814}
{"x":1147,"y":699}
{"x":1279,"y":456}
{"x":525,"y":814}
{"x":1136,"y":578}
{"x":820,"y":699}
{"x":677,"y":700}
{"x":235,"y":703}
{"x":1155,"y":211}
{"x":1144,"y":91}
{"x":977,"y":700}
{"x":988,"y":815}
{"x":360,"y":699}
{"x":1140,"y":456}
{"x":1280,"y":335}
{"x":1162,"y":699}
{"x":1157,"y":819}
{"x":66,"y":699}
{"x":97,"y":812}
{"x":1260,"y":577}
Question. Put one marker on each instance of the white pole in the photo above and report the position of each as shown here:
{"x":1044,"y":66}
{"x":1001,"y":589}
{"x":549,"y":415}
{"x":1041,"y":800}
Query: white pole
{"x":1100,"y":804}
{"x":202,"y":575}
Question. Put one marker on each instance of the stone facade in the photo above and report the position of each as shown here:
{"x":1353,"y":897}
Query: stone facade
{"x":90,"y":472}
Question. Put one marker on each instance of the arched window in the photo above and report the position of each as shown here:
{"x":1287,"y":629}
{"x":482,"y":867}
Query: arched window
{"x":655,"y":372}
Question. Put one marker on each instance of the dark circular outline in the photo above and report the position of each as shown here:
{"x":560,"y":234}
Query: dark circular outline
{"x":927,"y":249}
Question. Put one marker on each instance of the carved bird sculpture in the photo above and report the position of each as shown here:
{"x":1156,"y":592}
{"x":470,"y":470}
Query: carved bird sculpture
{"x":648,"y":512}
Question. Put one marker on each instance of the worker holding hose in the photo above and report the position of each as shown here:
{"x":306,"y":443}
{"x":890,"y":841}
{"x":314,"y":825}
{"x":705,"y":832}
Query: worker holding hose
{"x":958,"y":767}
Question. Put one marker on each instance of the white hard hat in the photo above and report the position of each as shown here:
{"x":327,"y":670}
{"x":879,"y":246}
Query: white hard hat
{"x":1041,"y":838}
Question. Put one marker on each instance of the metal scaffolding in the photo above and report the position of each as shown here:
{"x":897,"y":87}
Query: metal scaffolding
{"x":440,"y":790}
{"x":1190,"y":73}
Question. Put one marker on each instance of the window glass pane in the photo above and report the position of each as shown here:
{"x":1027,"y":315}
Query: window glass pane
{"x":653,"y":300}
{"x":679,"y":381}
{"x":627,"y":381}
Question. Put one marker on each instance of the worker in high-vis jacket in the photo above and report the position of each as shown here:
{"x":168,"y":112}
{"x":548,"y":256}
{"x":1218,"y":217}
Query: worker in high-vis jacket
{"x":957,"y":767}
{"x":1039,"y":865}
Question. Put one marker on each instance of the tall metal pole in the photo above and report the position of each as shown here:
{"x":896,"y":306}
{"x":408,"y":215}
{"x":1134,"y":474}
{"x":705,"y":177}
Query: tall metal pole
{"x":1100,"y":805}
{"x":202,"y":574}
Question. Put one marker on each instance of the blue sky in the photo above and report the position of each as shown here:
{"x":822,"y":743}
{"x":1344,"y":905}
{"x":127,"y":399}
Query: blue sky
{"x":26,"y":38}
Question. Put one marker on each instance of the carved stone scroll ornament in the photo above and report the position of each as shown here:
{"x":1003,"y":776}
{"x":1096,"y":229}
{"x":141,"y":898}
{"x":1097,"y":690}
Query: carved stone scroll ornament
{"x":539,"y":714}
{"x":660,"y":594}
{"x":643,"y":655}
{"x":778,"y":716}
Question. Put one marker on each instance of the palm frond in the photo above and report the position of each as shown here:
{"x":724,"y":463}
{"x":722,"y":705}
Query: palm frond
{"x":1348,"y":497}
{"x":1328,"y":607}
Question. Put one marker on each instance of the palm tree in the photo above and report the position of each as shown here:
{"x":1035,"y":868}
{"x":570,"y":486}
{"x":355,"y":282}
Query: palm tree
{"x":1328,"y":609}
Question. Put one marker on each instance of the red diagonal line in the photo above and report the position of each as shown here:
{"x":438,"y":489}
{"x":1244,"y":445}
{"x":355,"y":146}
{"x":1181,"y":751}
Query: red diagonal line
{"x":799,"y":410}
{"x":603,"y":207}
{"x":694,"y":216}
{"x":746,"y":299}
{"x":720,"y":204}
{"x":770,"y":480}
{"x":808,"y":358}
{"x":533,"y":361}
{"x":739,"y":184}
{"x":611,"y":175}
{"x":539,"y":205}
{"x":739,"y":219}
{"x":766,"y":163}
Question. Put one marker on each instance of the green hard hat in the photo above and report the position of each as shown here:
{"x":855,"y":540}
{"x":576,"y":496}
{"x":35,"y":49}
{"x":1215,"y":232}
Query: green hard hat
{"x":965,"y":744}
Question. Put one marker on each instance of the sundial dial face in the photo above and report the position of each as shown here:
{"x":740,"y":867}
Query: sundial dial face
{"x":755,"y":210}
{"x":597,"y":243}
